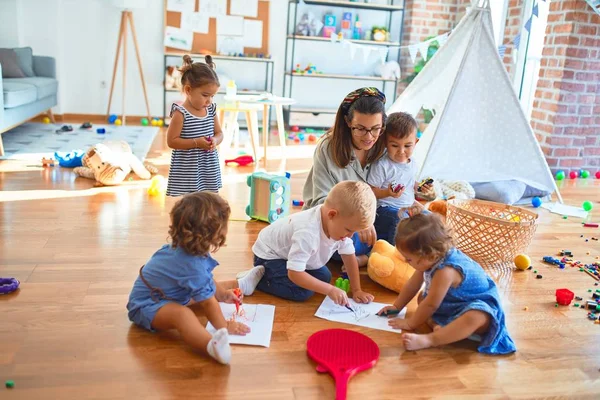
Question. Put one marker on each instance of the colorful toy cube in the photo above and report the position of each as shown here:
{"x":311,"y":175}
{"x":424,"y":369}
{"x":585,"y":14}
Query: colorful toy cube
{"x":269,"y":196}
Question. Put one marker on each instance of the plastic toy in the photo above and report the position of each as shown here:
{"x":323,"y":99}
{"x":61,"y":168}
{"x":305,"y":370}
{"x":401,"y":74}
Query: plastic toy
{"x":46,"y":120}
{"x":160,"y":122}
{"x":564,"y":296}
{"x":387,"y":267}
{"x":522,"y":261}
{"x":591,"y":225}
{"x":396,"y":187}
{"x":536,"y":202}
{"x":144,"y":121}
{"x":560,"y":175}
{"x":585,"y":174}
{"x":112,"y":118}
{"x":295,"y":128}
{"x":587,"y":205}
{"x":8,"y":285}
{"x":9,"y":384}
{"x":69,"y":160}
{"x":343,"y":284}
{"x":301,"y":137}
{"x":101,"y":131}
{"x":86,"y":125}
{"x":269,"y":196}
{"x":118,"y":122}
{"x":342,"y":353}
{"x":297,"y":203}
{"x":573,"y":175}
{"x":312,"y":138}
{"x":47,"y":162}
{"x":597,"y":174}
{"x":64,"y":128}
{"x":426,"y":181}
{"x":157,"y":185}
{"x":154,"y":122}
{"x":241,"y":160}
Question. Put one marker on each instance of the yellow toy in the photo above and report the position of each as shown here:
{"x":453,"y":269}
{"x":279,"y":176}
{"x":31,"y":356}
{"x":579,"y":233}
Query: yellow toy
{"x":387,"y":266}
{"x":522,"y":262}
{"x":157,"y":185}
{"x":118,"y":122}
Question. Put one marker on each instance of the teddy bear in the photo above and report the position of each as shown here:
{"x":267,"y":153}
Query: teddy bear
{"x":109,"y":163}
{"x":387,"y":267}
{"x":172,"y":78}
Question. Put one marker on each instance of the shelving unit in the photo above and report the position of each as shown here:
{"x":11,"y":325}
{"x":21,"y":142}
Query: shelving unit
{"x":268,"y":81}
{"x":394,"y":18}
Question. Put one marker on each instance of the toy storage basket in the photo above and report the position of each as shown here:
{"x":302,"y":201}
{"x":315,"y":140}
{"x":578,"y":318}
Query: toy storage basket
{"x":490,"y":233}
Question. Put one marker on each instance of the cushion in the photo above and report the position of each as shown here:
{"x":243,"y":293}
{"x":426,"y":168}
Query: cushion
{"x":507,"y":192}
{"x":45,"y":86}
{"x":10,"y":64}
{"x":25,"y":57}
{"x":16,"y":94}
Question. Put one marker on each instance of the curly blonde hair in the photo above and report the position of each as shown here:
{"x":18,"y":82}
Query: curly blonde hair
{"x":199,"y":222}
{"x":353,"y":199}
{"x":424,"y":235}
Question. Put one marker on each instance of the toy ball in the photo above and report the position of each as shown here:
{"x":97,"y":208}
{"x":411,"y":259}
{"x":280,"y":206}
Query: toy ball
{"x":112,"y":118}
{"x":585,"y":174}
{"x":154,"y":122}
{"x":160,"y":122}
{"x":598,"y":175}
{"x":156,"y":185}
{"x":46,"y":120}
{"x":295,"y":128}
{"x":536,"y":202}
{"x":297,"y":139}
{"x":419,"y":134}
{"x":144,"y":121}
{"x":301,"y":136}
{"x":118,"y":122}
{"x":312,"y":138}
{"x":560,"y":175}
{"x":522,"y":261}
{"x":573,"y":175}
{"x":587,"y":205}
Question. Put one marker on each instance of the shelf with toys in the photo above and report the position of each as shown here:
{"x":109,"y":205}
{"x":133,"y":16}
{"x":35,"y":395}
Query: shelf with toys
{"x":353,"y":43}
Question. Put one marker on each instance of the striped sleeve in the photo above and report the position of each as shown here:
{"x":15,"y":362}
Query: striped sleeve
{"x":177,"y":107}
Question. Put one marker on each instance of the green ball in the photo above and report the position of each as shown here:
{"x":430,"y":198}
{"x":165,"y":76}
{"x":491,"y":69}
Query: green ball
{"x":145,"y":121}
{"x":560,"y":175}
{"x":585,"y":174}
{"x":587,"y":205}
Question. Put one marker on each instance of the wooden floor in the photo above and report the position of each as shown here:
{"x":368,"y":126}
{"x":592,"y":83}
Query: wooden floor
{"x":77,"y":250}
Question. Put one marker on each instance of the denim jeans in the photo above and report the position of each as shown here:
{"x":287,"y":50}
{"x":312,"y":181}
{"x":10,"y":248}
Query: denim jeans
{"x":275,"y":281}
{"x":386,"y":222}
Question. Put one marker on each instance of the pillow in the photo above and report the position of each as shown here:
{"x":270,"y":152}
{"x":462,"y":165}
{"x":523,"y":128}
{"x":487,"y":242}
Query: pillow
{"x":507,"y":192}
{"x":10,"y":64}
{"x":25,"y":57}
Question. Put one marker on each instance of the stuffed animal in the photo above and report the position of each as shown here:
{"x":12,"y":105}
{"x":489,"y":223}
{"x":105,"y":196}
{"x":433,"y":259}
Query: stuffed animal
{"x":387,"y":266}
{"x":172,"y":78}
{"x":439,"y":207}
{"x":388,"y":70}
{"x":456,"y":189}
{"x":109,"y":163}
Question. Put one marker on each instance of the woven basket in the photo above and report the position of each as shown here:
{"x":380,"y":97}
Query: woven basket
{"x":490,"y":233}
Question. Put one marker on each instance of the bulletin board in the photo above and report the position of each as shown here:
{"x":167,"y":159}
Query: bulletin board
{"x":206,"y":43}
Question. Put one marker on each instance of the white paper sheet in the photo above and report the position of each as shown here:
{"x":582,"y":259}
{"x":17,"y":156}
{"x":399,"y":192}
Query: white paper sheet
{"x":259,"y":317}
{"x":178,"y":38}
{"x":563,"y":209}
{"x":253,"y":32}
{"x":245,"y":8}
{"x":195,"y":22}
{"x":363,"y":315}
{"x":213,"y":8}
{"x":182,"y":6}
{"x":230,"y":44}
{"x":228,"y":25}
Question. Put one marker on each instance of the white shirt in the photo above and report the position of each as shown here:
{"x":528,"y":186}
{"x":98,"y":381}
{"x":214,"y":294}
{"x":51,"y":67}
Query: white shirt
{"x":385,"y":172}
{"x":300,"y":240}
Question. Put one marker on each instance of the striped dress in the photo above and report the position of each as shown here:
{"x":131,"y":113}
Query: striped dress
{"x":194,"y":170}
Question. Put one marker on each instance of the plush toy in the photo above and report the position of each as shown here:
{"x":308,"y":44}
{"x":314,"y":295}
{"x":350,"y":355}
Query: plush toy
{"x":439,"y":207}
{"x":387,"y":266}
{"x":388,"y":70}
{"x":109,"y":163}
{"x":456,"y":189}
{"x":172,"y":78}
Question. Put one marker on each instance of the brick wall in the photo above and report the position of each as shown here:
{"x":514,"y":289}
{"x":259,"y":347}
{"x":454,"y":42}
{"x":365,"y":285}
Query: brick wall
{"x":566,"y":109}
{"x":514,"y":22}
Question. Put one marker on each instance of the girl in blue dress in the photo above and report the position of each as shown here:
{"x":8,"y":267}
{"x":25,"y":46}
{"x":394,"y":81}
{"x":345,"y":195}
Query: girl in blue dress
{"x":459,"y":300}
{"x":180,"y":274}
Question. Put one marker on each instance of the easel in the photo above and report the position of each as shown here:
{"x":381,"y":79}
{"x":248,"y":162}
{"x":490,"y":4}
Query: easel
{"x":126,"y":15}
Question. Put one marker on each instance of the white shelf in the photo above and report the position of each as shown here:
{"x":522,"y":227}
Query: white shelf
{"x":341,"y":76}
{"x":352,"y":4}
{"x":253,"y":92}
{"x":314,"y":110}
{"x":220,"y":57}
{"x":324,"y":39}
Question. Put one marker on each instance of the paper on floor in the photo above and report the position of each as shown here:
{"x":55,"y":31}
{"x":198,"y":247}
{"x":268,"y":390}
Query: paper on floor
{"x":563,"y":209}
{"x":363,"y":315}
{"x":259,"y":317}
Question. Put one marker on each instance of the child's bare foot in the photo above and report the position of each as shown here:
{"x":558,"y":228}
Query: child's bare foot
{"x":414,"y":341}
{"x":362,"y":260}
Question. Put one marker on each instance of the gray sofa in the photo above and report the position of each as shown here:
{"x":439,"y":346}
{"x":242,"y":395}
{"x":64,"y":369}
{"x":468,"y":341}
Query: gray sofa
{"x":27,"y":97}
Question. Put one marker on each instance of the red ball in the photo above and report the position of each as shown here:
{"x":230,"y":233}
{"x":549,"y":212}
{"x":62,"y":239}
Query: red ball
{"x":598,"y":175}
{"x":295,"y":128}
{"x":573,"y":175}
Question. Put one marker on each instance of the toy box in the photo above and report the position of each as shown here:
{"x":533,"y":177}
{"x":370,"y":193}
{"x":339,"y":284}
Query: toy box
{"x":269,"y":196}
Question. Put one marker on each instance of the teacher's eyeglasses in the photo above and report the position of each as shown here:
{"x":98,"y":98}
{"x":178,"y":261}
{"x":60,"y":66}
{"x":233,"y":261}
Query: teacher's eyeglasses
{"x":374,"y":132}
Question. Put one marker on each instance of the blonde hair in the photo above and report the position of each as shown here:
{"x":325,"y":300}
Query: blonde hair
{"x":424,"y":235}
{"x":353,"y":199}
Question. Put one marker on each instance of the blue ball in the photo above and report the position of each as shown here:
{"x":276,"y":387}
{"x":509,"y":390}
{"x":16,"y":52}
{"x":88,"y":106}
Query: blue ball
{"x":536,"y":202}
{"x":419,"y":134}
{"x":112,"y":118}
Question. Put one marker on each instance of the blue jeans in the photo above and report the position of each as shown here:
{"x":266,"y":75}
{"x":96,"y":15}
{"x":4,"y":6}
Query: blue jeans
{"x":275,"y":281}
{"x":386,"y":222}
{"x":359,"y":248}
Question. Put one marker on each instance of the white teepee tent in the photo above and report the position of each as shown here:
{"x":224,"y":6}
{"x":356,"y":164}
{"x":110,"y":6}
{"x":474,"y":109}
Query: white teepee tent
{"x":479,"y":132}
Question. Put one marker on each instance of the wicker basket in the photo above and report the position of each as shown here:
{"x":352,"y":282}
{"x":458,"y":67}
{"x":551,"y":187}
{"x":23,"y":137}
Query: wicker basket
{"x":490,"y":233}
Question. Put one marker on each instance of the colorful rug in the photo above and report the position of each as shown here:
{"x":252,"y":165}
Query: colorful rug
{"x":33,"y":141}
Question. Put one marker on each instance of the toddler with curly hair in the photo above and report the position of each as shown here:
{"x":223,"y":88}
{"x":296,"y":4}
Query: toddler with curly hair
{"x":179,"y":275}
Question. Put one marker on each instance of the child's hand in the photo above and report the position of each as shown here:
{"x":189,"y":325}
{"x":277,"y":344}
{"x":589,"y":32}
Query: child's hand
{"x":237,"y":328}
{"x":206,"y":143}
{"x":362,"y":297}
{"x":400,"y":323}
{"x":386,"y":309}
{"x":395,"y":194}
{"x":338,"y":296}
{"x":231,"y":296}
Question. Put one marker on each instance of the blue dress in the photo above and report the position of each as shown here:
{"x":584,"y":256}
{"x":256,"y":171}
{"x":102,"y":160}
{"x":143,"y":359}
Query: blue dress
{"x":174,"y":276}
{"x":477,"y":291}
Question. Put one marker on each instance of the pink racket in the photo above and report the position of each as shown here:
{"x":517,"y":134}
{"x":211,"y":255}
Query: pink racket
{"x":343,"y":354}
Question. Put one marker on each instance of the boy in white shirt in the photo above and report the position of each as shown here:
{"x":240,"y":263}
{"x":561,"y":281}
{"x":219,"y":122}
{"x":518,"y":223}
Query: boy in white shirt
{"x":294,"y":250}
{"x":393,"y":176}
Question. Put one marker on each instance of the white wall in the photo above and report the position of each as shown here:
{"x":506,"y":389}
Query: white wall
{"x":82,"y":35}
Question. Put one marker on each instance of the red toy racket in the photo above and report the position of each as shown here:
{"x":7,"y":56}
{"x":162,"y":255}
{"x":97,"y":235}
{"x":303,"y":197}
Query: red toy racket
{"x":343,"y":354}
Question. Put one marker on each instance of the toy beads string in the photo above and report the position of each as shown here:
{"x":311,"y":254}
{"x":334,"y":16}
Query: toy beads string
{"x":8,"y":285}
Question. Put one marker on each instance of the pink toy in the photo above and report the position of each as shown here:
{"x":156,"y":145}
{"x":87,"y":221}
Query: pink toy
{"x":241,"y":160}
{"x":597,"y":174}
{"x":343,"y":354}
{"x":564,"y":296}
{"x":573,"y":175}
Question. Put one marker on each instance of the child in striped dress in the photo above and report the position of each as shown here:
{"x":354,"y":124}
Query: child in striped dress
{"x":195,"y":132}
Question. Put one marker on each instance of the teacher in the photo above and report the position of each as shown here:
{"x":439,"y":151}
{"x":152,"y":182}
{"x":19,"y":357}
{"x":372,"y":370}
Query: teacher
{"x":346,"y":152}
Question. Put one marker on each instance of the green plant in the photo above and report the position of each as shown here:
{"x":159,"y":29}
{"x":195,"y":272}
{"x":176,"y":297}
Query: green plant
{"x":431,"y":50}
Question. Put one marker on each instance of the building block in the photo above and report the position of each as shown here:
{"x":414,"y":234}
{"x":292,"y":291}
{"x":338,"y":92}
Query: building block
{"x":269,"y":196}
